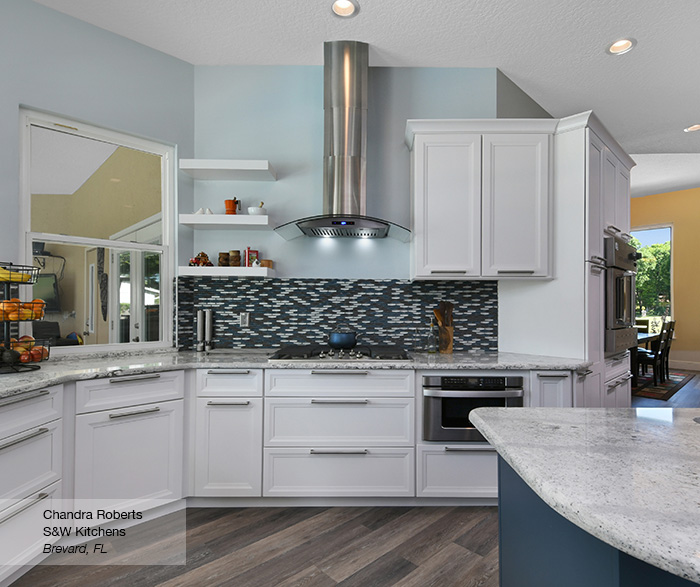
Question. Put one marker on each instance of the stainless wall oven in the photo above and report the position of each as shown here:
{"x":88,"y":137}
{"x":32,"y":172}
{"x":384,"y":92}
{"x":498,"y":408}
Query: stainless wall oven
{"x":620,"y":297}
{"x":448,"y":399}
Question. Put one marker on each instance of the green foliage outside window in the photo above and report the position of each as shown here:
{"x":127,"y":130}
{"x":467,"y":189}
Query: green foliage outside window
{"x":654,"y":279}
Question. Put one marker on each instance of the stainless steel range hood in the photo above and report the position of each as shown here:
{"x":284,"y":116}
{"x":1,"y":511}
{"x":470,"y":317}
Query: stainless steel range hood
{"x":346,"y":65}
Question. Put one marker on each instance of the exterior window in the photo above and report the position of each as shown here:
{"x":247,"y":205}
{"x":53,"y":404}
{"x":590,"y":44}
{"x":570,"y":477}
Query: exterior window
{"x":98,"y":218}
{"x":653,"y":283}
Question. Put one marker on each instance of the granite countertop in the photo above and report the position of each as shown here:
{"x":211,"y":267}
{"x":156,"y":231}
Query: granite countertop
{"x":630,"y":477}
{"x":64,"y":369}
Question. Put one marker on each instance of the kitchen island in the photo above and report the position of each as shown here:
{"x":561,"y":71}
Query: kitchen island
{"x":597,"y":496}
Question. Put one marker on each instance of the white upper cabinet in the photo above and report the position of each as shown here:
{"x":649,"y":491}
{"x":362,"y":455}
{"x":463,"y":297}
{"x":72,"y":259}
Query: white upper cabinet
{"x":446,"y":206}
{"x":480,"y":198}
{"x":515,"y":205}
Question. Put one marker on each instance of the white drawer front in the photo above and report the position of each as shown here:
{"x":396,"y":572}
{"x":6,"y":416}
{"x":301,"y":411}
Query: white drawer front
{"x":229,"y":382}
{"x":616,"y":367}
{"x":228,"y":447}
{"x":21,"y":524}
{"x":26,"y":410}
{"x":30,"y":460}
{"x":382,"y":472}
{"x":129,"y":390}
{"x":456,"y":470}
{"x":334,"y":421}
{"x":339,"y":382}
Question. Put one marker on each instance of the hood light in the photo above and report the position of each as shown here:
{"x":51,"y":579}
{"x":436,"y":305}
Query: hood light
{"x":692,"y":128}
{"x":345,"y":8}
{"x":622,"y":46}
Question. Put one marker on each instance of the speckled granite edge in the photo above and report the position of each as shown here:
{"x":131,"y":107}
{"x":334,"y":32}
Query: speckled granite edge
{"x":63,"y":370}
{"x":627,"y":476}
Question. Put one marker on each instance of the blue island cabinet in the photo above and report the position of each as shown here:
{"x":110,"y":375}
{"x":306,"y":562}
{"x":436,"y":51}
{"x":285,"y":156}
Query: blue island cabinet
{"x":541,"y":548}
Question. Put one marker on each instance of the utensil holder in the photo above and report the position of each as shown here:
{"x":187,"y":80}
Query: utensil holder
{"x":445,"y":336}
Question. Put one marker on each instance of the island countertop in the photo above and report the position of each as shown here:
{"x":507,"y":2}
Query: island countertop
{"x":80,"y":367}
{"x":629,"y":477}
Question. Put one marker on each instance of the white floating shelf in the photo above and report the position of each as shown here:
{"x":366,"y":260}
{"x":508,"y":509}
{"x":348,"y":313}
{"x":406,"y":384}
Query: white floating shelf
{"x":226,"y":271}
{"x":229,"y":169}
{"x":225,"y":221}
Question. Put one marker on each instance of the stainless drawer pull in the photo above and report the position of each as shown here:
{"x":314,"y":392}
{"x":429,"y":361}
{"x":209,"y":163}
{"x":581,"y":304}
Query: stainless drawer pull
{"x":515,"y":272}
{"x":598,"y":260}
{"x":613,"y":228}
{"x":546,"y":376}
{"x":37,"y":432}
{"x":23,"y":397}
{"x":340,"y":372}
{"x":448,"y":271}
{"x":37,"y":499}
{"x":468,"y":448}
{"x":128,"y":378}
{"x":315,"y":451}
{"x":241,"y":403}
{"x":137,"y":413}
{"x":585,"y":373}
{"x":228,"y":372}
{"x":340,"y":401}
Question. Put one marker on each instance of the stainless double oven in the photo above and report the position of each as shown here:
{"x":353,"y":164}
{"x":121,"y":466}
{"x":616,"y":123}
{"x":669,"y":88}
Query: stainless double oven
{"x":620,"y":298}
{"x":448,"y":400}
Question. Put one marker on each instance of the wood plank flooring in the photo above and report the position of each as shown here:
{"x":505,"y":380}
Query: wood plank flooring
{"x":687,"y":396}
{"x":314,"y":547}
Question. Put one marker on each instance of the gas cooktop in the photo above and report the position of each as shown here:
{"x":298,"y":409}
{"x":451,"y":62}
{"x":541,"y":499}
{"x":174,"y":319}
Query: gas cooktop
{"x":315,"y":352}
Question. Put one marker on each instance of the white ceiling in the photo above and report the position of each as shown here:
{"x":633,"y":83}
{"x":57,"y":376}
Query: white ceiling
{"x":553,"y":50}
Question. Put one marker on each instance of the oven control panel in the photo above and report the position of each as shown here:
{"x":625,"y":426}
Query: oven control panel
{"x":467,"y":383}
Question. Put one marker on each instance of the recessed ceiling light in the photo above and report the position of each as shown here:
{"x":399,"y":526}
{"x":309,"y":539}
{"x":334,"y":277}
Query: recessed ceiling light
{"x":692,"y":128}
{"x":621,"y":46}
{"x":345,"y":8}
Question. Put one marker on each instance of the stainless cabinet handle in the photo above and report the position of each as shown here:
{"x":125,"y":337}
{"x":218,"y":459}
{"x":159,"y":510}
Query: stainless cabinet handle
{"x":34,"y":434}
{"x":468,"y":448}
{"x":613,"y":228}
{"x":128,"y":378}
{"x":447,"y":271}
{"x":339,"y":401}
{"x":340,"y":372}
{"x":241,"y":403}
{"x":598,"y":260}
{"x":25,"y":506}
{"x":23,"y":397}
{"x":626,"y":236}
{"x":585,"y":373}
{"x":315,"y":451}
{"x":228,"y":372}
{"x":515,"y":272}
{"x":137,"y":413}
{"x":546,"y":376}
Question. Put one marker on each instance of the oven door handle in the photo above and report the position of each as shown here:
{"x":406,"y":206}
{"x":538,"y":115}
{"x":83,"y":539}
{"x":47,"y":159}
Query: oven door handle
{"x":457,"y":393}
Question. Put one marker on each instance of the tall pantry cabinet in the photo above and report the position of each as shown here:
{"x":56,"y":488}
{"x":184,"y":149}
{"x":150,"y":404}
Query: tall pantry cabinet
{"x":566,"y":316}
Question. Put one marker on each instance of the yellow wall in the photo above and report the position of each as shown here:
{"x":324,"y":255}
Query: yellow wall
{"x":681,"y":210}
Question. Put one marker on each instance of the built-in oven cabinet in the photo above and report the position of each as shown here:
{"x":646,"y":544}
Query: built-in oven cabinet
{"x":339,"y":432}
{"x":551,"y":389}
{"x":228,"y":433}
{"x":456,"y":470}
{"x":339,"y":472}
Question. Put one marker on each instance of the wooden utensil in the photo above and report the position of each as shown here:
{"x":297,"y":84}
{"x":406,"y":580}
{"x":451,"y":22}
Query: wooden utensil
{"x":438,"y":317}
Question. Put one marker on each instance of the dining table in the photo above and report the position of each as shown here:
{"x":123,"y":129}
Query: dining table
{"x":643,"y":338}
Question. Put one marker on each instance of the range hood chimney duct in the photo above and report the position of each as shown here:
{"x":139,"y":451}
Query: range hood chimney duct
{"x":345,"y":73}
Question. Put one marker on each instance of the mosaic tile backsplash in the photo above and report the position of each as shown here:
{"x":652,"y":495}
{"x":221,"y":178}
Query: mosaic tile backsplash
{"x":304,"y":311}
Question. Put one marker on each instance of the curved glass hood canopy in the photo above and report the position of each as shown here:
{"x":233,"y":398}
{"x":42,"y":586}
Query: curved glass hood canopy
{"x":345,"y":70}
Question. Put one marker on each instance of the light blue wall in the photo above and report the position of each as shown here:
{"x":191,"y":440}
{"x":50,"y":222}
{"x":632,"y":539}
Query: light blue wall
{"x":52,"y":62}
{"x":276,"y":113}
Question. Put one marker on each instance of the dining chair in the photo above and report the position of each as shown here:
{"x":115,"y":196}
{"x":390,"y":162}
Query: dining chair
{"x":667,"y":349}
{"x":655,"y":356}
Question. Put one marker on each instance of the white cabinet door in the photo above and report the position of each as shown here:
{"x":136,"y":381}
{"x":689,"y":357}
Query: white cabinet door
{"x":622,"y":197}
{"x":229,"y":382}
{"x":446,"y":179}
{"x":594,"y":199}
{"x":595,"y":312}
{"x":618,"y":392}
{"x":23,"y":411}
{"x":339,"y":472}
{"x":551,"y":389}
{"x":130,"y":454}
{"x":616,"y":194}
{"x":590,"y":387}
{"x":339,"y":382}
{"x":462,"y":470}
{"x":515,"y":205}
{"x":339,"y":421}
{"x":228,"y":447}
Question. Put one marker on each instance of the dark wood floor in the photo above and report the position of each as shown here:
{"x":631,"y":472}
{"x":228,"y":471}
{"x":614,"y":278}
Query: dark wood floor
{"x":314,"y":547}
{"x":687,"y":396}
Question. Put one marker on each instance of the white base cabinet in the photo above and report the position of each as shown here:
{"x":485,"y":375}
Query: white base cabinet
{"x":551,"y":389}
{"x":457,"y":470}
{"x":339,"y":472}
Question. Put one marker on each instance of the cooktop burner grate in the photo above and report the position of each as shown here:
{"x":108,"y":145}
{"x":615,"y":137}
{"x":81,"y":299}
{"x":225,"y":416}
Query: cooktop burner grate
{"x":324,"y":352}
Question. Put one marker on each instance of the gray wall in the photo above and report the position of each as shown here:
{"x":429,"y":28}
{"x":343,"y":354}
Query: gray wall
{"x":52,"y":62}
{"x":512,"y":102}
